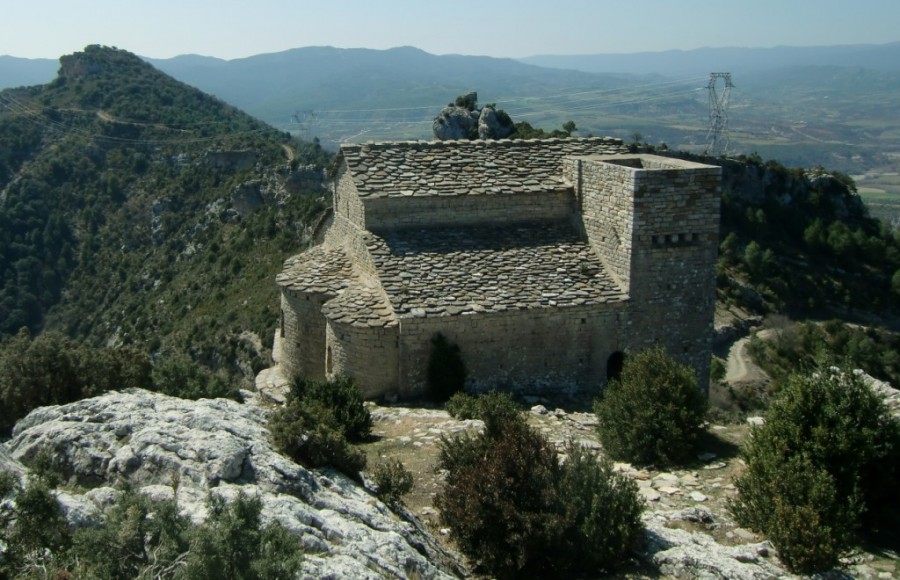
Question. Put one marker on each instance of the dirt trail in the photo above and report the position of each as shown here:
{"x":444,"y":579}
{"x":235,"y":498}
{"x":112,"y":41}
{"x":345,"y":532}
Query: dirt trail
{"x":741,"y":368}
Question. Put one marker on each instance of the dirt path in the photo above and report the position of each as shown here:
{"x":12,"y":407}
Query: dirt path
{"x":741,"y":368}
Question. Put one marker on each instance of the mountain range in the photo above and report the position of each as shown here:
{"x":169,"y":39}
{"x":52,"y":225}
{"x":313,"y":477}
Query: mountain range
{"x":831,"y":105}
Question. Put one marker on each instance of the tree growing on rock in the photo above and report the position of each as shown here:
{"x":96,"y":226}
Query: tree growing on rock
{"x":653,"y":413}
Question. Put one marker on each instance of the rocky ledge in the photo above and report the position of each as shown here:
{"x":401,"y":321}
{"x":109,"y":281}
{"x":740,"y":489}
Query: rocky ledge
{"x":174,"y":448}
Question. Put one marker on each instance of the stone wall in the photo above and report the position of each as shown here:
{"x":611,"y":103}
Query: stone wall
{"x":303,"y":334}
{"x":529,"y":350}
{"x":606,"y":213}
{"x":428,"y":211}
{"x":365,"y":353}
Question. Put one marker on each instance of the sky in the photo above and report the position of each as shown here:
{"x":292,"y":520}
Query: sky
{"x":231,"y":29}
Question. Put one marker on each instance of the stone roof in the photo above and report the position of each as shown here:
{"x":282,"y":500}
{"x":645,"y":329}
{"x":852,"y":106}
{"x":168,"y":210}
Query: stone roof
{"x":427,"y":168}
{"x":459,"y":270}
{"x":360,"y":306}
{"x":316,"y":270}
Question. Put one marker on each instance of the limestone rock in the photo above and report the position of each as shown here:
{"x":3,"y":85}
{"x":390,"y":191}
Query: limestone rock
{"x":493,"y":126}
{"x":455,"y":123}
{"x":168,"y":447}
{"x":682,"y":554}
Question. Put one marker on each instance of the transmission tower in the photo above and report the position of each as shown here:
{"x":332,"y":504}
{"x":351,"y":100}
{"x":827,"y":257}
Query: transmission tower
{"x":717,"y":138}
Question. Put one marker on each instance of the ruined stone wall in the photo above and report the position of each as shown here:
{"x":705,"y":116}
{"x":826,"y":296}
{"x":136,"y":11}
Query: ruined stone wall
{"x":367,"y":354}
{"x":303,"y":334}
{"x":427,"y":211}
{"x":529,"y":351}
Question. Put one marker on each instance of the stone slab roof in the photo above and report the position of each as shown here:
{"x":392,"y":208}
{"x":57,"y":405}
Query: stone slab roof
{"x":429,"y":168}
{"x":360,"y":306}
{"x":459,"y":270}
{"x":317,"y":270}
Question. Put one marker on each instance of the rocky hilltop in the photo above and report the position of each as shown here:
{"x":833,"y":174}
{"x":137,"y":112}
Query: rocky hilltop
{"x":173,"y":448}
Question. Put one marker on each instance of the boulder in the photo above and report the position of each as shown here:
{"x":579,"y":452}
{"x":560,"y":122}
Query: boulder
{"x":173,"y":448}
{"x":679,"y":553}
{"x":493,"y":126}
{"x":455,"y":123}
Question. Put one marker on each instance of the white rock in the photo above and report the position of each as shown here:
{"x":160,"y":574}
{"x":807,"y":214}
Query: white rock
{"x":223,"y":447}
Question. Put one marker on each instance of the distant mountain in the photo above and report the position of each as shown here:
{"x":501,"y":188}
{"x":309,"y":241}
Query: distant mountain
{"x":23,"y":72}
{"x":741,"y":61}
{"x":801,"y":105}
{"x":135,"y":209}
{"x":337,"y":93}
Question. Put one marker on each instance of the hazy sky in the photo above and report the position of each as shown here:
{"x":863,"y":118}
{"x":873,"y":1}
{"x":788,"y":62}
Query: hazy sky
{"x":503,"y":28}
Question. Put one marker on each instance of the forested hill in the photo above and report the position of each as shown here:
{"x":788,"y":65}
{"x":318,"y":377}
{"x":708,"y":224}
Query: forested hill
{"x":137,"y":210}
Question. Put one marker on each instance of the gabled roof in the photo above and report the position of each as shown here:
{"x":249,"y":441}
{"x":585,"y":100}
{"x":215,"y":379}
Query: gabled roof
{"x":428,"y":168}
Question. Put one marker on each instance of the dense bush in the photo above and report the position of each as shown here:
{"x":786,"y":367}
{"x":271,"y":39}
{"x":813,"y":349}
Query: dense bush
{"x":318,"y":422}
{"x":513,"y":508}
{"x":177,"y":375}
{"x":52,"y":370}
{"x":821,"y":469}
{"x":393,"y":481}
{"x":147,"y":539}
{"x":654,"y":412}
{"x":446,"y":372}
{"x":493,"y":406}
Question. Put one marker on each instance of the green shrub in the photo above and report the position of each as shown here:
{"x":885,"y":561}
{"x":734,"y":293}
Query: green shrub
{"x":393,"y":481}
{"x":342,"y":399}
{"x":491,"y":407}
{"x":516,"y":511}
{"x":317,"y":423}
{"x":821,"y":469}
{"x":654,"y":412}
{"x":52,"y":369}
{"x":446,"y":373}
{"x":177,"y":375}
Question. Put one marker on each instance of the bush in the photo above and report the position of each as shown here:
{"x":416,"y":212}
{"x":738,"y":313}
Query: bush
{"x":515,"y":510}
{"x":317,"y":423}
{"x":492,"y":407}
{"x":149,"y":539}
{"x":822,"y":468}
{"x":177,"y":375}
{"x":654,"y":412}
{"x":53,"y":370}
{"x":393,"y":481}
{"x":446,"y":373}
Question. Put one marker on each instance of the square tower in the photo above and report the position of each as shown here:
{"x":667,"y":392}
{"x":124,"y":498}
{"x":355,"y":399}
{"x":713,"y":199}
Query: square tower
{"x":654,"y":222}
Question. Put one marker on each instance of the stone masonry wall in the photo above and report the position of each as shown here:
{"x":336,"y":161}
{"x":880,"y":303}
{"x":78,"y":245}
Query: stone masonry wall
{"x":606,"y":213}
{"x":529,"y":351}
{"x":303,"y":333}
{"x":393,"y":212}
{"x":366,"y":353}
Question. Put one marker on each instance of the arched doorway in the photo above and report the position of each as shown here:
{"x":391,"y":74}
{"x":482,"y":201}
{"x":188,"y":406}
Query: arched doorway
{"x":614,"y":365}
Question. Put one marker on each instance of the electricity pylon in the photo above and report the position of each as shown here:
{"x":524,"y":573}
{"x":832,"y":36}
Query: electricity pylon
{"x":717,"y":138}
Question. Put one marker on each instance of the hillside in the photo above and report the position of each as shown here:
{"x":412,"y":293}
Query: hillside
{"x":137,"y":210}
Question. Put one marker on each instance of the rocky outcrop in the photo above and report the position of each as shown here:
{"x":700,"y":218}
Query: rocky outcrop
{"x":465,"y":120}
{"x":174,"y":448}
